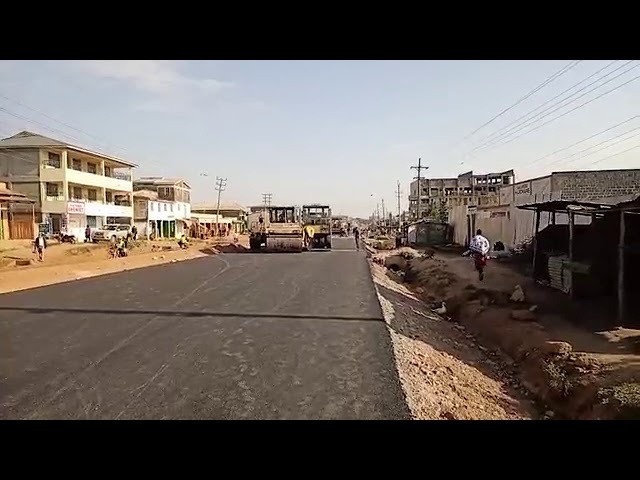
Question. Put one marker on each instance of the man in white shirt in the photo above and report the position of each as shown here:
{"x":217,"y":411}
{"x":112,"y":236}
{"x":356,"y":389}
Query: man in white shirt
{"x":479,"y":247}
{"x":480,"y":244}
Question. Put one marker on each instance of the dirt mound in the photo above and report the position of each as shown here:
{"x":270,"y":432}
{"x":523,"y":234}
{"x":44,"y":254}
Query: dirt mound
{"x":431,"y":279}
{"x":230,"y":248}
{"x":81,"y":250}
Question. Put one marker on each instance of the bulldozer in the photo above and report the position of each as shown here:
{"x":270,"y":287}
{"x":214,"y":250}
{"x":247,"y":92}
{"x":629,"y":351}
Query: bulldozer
{"x":316,"y":222}
{"x":276,"y":229}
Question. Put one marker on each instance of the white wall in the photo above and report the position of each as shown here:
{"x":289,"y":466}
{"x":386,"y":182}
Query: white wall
{"x":158,"y":210}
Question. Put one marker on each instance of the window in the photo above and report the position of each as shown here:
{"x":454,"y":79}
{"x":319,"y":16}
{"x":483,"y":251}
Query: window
{"x":171,"y":207}
{"x":165,"y":207}
{"x":107,"y":171}
{"x":108,"y":197}
{"x":92,"y":195}
{"x":77,"y":193}
{"x":92,"y":222}
{"x":53,"y":160}
{"x":178,"y":206}
{"x":92,"y":168}
{"x":52,"y":189}
{"x":77,"y":164}
{"x":151,"y":204}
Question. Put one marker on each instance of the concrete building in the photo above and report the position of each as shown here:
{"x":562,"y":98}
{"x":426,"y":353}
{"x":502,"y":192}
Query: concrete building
{"x":233,"y":217}
{"x":511,"y":225}
{"x":465,"y":189}
{"x":72,"y":187}
{"x":162,"y":206}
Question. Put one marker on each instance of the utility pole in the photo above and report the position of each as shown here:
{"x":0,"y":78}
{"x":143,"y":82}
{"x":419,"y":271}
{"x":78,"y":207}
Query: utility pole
{"x":398,"y":193}
{"x":384,"y":215}
{"x":378,"y":213}
{"x":221,"y":184}
{"x":419,"y":168}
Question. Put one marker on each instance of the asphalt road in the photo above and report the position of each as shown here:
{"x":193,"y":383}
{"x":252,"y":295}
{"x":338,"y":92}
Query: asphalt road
{"x":233,"y":336}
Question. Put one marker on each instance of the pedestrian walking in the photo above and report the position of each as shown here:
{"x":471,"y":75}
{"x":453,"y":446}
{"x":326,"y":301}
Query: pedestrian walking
{"x":87,"y":234}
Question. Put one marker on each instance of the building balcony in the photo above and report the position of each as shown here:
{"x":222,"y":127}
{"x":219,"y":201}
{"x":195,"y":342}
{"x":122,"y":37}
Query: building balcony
{"x":122,"y":183}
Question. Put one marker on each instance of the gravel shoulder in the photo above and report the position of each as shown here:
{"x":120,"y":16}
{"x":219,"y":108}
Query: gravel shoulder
{"x":444,"y":373}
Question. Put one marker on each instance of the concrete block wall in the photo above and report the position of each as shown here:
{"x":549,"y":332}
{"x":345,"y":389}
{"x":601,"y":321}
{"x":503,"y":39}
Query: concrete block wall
{"x":596,"y":185}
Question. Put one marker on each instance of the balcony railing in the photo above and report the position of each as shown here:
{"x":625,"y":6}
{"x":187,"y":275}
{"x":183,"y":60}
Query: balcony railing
{"x":115,"y":175}
{"x":54,"y":198}
{"x":120,"y":176}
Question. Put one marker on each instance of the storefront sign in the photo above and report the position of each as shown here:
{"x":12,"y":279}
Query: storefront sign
{"x":75,"y":208}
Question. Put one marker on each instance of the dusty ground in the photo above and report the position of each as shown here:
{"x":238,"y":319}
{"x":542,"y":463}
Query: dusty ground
{"x":66,"y":262}
{"x":444,"y":373}
{"x":575,"y":372}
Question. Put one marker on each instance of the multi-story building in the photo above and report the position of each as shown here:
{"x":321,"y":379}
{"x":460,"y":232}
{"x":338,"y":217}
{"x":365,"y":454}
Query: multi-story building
{"x":162,"y":206}
{"x":504,"y":221}
{"x":465,"y":189}
{"x":72,"y":187}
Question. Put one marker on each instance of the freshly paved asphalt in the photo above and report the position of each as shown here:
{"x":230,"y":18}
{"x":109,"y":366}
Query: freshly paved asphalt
{"x":233,"y":336}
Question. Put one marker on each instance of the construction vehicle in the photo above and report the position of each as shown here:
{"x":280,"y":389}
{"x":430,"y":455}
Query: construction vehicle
{"x":276,"y":229}
{"x":316,"y":221}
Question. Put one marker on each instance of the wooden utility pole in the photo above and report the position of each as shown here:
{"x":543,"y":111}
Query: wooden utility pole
{"x":398,"y":193}
{"x":384,"y":215}
{"x":419,"y":168}
{"x":221,"y":184}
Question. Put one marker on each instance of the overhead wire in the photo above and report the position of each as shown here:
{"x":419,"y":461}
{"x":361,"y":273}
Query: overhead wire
{"x":550,"y":79}
{"x":568,"y":112}
{"x":497,"y":141}
{"x":500,"y":131}
{"x":582,"y":141}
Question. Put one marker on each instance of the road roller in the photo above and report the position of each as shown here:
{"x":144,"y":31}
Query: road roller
{"x":316,"y":222}
{"x":276,"y":229}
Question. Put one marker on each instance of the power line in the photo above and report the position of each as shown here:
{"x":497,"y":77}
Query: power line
{"x":102,"y":140}
{"x":582,"y":141}
{"x":502,"y":129}
{"x":599,"y":150}
{"x":568,"y":111}
{"x":531,"y":121}
{"x":613,"y":155}
{"x":553,"y":77}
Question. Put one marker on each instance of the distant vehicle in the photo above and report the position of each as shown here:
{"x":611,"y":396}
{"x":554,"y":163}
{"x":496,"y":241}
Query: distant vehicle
{"x":111,"y":232}
{"x":316,"y":220}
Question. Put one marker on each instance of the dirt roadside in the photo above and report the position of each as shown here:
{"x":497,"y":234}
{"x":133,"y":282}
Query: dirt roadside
{"x":67,"y":262}
{"x":445,"y":373}
{"x":570,"y":371}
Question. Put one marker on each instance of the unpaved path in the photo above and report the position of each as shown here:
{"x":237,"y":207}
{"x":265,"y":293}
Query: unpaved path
{"x":22,"y":279}
{"x":444,"y":373}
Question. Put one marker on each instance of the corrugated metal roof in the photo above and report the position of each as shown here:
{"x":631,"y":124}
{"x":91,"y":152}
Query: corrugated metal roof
{"x":160,"y":181}
{"x":149,"y":194}
{"x":26,"y":139}
{"x":223,"y":206}
{"x":10,"y":196}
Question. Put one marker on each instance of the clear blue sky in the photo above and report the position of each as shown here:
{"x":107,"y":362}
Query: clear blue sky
{"x":316,"y":131}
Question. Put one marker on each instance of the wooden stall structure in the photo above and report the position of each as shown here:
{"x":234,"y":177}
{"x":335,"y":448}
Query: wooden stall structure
{"x":589,"y":260}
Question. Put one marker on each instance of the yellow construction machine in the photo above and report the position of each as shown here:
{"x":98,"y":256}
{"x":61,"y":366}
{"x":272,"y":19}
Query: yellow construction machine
{"x":316,"y":221}
{"x":276,"y":229}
